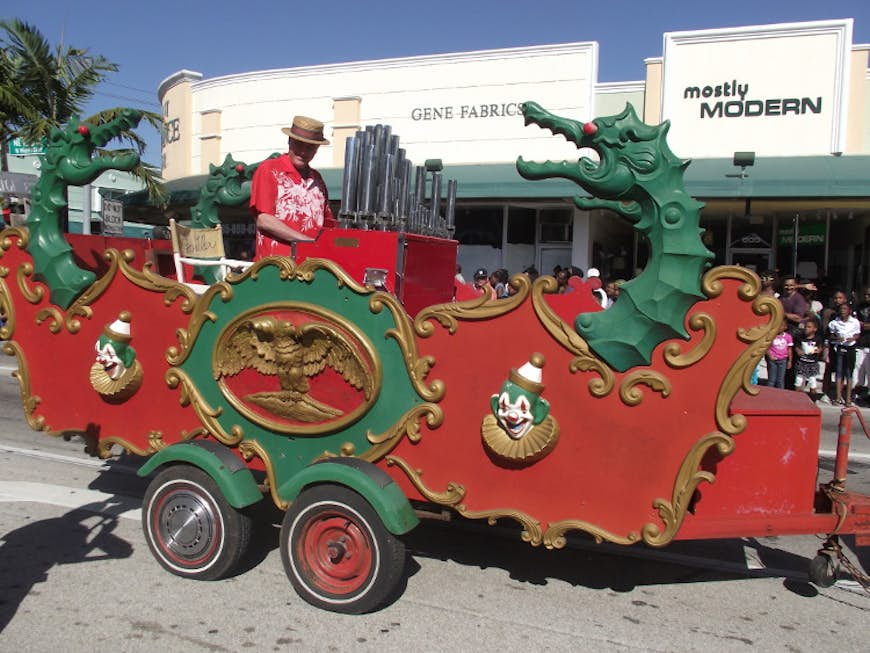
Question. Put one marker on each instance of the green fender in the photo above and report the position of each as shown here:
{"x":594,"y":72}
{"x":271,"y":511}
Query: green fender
{"x":231,"y":475}
{"x":367,"y":480}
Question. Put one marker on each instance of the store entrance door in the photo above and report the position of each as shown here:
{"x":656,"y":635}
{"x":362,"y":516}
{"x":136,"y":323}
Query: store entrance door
{"x":757,"y":260}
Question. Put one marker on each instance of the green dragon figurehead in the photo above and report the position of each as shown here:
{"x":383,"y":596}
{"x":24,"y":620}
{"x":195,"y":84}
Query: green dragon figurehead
{"x":70,"y":160}
{"x":639,"y":178}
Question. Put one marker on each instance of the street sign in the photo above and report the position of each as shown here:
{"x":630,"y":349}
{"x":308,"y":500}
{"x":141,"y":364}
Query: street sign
{"x":18,"y":147}
{"x":113,"y":218}
{"x":17,"y":183}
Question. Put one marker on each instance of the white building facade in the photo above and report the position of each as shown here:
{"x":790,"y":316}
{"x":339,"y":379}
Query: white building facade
{"x":797,"y":96}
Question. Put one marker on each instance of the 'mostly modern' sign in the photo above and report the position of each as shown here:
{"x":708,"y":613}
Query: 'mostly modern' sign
{"x":777,"y":90}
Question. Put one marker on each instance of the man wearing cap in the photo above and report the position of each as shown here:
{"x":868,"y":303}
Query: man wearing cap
{"x":289,"y":201}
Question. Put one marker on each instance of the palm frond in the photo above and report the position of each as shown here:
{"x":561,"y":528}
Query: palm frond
{"x":147,"y":174}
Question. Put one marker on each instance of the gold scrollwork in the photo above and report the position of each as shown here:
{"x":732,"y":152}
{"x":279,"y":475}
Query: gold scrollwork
{"x":532,"y":532}
{"x":33,"y":295}
{"x":251,"y":448}
{"x":7,"y":310}
{"x":479,"y":308}
{"x":712,"y":286}
{"x":631,"y":394}
{"x":407,"y":425}
{"x":21,"y":233}
{"x":673,"y":353}
{"x":454,"y":493}
{"x":207,"y":415}
{"x":568,"y":337}
{"x":688,"y":478}
{"x":418,"y":367}
{"x":186,"y":337}
{"x":587,"y":361}
{"x":28,"y":401}
{"x":758,"y":337}
{"x":155,"y":444}
{"x":53,"y":315}
{"x":305,"y":272}
{"x":554,"y":536}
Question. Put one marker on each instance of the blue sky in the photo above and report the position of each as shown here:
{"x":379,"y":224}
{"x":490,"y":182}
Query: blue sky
{"x":151,"y":40}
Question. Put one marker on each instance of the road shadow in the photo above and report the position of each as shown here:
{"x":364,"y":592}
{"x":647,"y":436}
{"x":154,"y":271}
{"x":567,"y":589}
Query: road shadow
{"x":600,"y":566}
{"x":85,"y":534}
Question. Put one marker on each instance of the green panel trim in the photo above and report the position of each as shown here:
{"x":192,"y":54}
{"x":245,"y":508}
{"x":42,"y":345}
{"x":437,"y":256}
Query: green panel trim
{"x":388,"y":500}
{"x":237,"y":485}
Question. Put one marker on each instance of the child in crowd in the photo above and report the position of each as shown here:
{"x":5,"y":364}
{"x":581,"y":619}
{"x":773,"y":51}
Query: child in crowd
{"x":779,"y":357}
{"x":809,"y":349}
{"x":843,"y":333}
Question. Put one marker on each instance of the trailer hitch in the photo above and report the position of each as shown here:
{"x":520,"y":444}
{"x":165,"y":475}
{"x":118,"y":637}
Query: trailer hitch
{"x":824,"y":567}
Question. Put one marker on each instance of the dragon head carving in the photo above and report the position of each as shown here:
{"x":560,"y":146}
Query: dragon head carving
{"x":638,"y":177}
{"x":73,"y":156}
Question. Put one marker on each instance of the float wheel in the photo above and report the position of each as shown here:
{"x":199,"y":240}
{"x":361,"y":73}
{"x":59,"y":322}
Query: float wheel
{"x":337,"y":553}
{"x":189,"y":526}
{"x":823,"y":570}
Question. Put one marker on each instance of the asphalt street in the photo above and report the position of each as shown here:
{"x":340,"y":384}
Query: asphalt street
{"x":76,"y":575}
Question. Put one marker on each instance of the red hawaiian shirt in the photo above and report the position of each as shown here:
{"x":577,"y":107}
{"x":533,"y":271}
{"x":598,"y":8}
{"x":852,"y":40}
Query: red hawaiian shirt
{"x":278,"y":189}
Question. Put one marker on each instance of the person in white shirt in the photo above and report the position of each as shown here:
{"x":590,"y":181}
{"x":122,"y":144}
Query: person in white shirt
{"x":843,"y":334}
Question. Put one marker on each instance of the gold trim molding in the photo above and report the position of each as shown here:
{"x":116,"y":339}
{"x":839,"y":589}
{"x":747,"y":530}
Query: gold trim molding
{"x":758,"y":338}
{"x":407,"y":425}
{"x":251,"y":448}
{"x":673,"y":352}
{"x":190,"y":395}
{"x":480,"y":308}
{"x":631,"y":395}
{"x":29,"y":401}
{"x":418,"y":366}
{"x":688,"y":478}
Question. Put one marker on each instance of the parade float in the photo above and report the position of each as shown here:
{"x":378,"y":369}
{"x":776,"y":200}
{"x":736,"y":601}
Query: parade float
{"x":357,"y":407}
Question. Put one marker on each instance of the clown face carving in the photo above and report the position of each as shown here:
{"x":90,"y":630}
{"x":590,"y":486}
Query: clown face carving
{"x":114,"y":357}
{"x":518,"y":410}
{"x":514,"y":416}
{"x":112,"y":365}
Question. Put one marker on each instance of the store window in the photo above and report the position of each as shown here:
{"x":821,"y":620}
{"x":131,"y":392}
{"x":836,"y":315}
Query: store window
{"x":810,"y":251}
{"x":521,"y":225}
{"x":557,"y":225}
{"x":479,"y":225}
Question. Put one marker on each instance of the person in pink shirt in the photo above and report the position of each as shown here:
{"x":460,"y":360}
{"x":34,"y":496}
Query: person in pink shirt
{"x":289,"y":201}
{"x":779,"y":356}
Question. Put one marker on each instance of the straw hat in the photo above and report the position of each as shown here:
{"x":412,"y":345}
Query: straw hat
{"x":307,"y":130}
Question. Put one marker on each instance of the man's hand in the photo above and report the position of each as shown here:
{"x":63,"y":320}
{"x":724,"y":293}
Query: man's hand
{"x":275,"y":228}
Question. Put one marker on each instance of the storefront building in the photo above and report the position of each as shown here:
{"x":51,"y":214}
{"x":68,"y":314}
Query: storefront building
{"x":792,"y":99}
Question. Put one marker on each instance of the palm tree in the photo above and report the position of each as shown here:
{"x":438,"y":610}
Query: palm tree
{"x":42,"y":88}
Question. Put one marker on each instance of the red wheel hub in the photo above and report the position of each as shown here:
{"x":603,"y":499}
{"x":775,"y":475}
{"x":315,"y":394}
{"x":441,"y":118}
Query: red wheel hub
{"x":336,"y":553}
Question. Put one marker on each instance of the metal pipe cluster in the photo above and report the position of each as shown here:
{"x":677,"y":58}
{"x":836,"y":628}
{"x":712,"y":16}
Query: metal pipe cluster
{"x":377,"y":190}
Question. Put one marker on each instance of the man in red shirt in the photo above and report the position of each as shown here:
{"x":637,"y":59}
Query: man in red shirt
{"x":289,"y":201}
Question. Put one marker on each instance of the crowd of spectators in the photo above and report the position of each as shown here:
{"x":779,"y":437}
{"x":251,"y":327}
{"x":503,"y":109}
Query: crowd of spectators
{"x":823,"y":343}
{"x":497,"y":283}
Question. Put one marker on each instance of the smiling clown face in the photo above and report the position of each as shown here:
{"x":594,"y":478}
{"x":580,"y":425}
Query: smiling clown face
{"x":107,"y":357}
{"x":514,"y":416}
{"x":518,"y":410}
